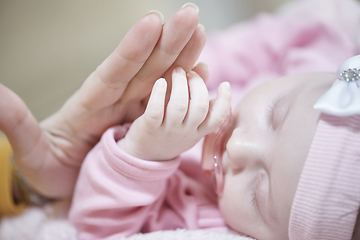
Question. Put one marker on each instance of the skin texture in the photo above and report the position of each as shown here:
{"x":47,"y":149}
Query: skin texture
{"x":266,"y":143}
{"x":266,"y":147}
{"x":181,"y":123}
{"x":116,"y":92}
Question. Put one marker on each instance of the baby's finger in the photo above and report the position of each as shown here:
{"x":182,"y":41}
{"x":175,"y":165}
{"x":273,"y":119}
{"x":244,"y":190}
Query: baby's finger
{"x":199,"y":100}
{"x":154,"y":113}
{"x":179,"y":100}
{"x":218,"y":110}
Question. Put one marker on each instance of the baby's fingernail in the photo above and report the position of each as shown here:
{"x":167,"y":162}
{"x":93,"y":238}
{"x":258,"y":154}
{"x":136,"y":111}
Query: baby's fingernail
{"x":190,"y":4}
{"x":227,"y":86}
{"x":161,"y":82}
{"x":157,"y":13}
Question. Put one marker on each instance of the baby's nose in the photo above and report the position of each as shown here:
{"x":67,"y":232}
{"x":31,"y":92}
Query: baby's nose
{"x":243,"y":148}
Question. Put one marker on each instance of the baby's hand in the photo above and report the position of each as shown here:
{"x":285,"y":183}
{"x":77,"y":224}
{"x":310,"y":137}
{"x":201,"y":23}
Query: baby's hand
{"x":162,"y":133}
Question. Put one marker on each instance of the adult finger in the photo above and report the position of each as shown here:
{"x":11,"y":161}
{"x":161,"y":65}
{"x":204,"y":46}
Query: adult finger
{"x":16,"y":121}
{"x":176,"y":34}
{"x":202,"y":70}
{"x":133,"y":110}
{"x":186,"y":59}
{"x":33,"y":150}
{"x":110,"y":79}
{"x":190,"y":53}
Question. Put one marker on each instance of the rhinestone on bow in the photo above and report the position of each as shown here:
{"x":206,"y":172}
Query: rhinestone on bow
{"x":350,"y":75}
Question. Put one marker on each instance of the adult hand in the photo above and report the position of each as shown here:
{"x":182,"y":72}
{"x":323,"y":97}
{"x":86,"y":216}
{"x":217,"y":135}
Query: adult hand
{"x":50,"y":154}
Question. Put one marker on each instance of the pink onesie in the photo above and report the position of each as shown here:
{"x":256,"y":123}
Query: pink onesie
{"x":118,"y":195}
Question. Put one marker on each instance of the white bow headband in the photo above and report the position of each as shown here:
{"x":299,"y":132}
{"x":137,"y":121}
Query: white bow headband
{"x":343,"y":98}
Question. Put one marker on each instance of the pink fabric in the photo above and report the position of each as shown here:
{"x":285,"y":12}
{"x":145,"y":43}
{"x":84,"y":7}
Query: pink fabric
{"x":327,"y":199}
{"x":277,"y":45}
{"x":118,"y":195}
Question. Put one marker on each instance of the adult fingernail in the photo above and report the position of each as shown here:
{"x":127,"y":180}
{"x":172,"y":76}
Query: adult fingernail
{"x":190,"y":4}
{"x":157,"y":13}
{"x":204,"y":65}
{"x":201,"y":26}
{"x":192,"y":74}
{"x":179,"y":70}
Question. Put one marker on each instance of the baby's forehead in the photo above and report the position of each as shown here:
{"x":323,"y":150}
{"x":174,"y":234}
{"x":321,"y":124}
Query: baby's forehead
{"x":275,"y":85}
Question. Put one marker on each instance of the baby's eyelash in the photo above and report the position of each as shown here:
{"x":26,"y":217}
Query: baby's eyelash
{"x":253,"y":199}
{"x":270,"y":112}
{"x":254,"y":191}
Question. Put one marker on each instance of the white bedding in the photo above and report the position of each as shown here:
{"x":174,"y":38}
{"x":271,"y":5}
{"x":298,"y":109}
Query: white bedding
{"x":50,"y":223}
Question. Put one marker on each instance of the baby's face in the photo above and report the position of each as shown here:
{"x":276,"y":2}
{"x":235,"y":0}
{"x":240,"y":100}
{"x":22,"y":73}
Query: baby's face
{"x":266,"y":146}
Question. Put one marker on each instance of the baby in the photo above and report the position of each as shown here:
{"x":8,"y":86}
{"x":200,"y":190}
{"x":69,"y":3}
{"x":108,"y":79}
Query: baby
{"x":283,"y":169}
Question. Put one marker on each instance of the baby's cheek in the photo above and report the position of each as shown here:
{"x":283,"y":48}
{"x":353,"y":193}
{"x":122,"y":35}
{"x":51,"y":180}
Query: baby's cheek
{"x":231,"y":216}
{"x":225,"y":164}
{"x":232,"y":207}
{"x":226,"y":209}
{"x":237,"y":211}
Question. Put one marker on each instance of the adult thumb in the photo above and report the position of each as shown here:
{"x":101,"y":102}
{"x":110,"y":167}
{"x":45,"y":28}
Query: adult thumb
{"x":17,"y":122}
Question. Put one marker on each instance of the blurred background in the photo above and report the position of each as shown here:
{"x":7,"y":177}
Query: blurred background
{"x":48,"y":47}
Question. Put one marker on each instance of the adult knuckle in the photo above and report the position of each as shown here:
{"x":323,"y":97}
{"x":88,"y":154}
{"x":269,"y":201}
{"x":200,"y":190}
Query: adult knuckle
{"x":130,"y":55}
{"x":108,"y":82}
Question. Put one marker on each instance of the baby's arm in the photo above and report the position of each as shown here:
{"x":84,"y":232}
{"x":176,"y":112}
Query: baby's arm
{"x":163,"y":132}
{"x":117,"y":190}
{"x":116,"y":193}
